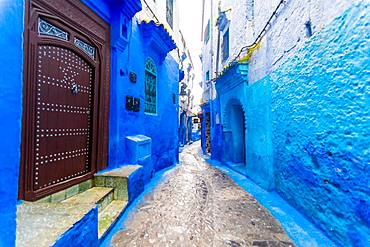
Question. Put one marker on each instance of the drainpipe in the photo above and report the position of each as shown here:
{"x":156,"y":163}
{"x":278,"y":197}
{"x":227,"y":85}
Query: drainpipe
{"x":218,"y":40}
{"x":218,"y":51}
{"x":202,"y":21}
{"x":211,"y":84}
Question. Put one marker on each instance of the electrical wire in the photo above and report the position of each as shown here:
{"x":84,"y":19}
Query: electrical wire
{"x":259,"y":37}
{"x":148,"y":7}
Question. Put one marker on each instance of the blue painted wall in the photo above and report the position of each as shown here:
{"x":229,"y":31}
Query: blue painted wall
{"x":320,"y":128}
{"x":258,"y":134}
{"x":182,"y":129}
{"x":82,"y":233}
{"x":11,"y":81}
{"x":307,"y":128}
{"x":101,"y":7}
{"x":185,"y":129}
{"x":216,"y":130}
{"x":189,"y":129}
{"x":162,"y":127}
{"x":254,"y":101}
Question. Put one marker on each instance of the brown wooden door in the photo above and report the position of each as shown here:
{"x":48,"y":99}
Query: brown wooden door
{"x":65,"y":103}
{"x":64,"y":107}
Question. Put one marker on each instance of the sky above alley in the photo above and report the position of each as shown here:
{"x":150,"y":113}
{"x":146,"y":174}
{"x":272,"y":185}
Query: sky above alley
{"x":190,"y":25}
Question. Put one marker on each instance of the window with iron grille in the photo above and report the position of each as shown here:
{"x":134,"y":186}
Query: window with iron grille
{"x":150,"y":87}
{"x":225,"y":46}
{"x":207,"y":32}
{"x":169,"y":12}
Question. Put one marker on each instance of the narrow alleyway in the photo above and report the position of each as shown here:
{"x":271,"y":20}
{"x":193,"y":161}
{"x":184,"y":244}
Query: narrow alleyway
{"x":197,"y":205}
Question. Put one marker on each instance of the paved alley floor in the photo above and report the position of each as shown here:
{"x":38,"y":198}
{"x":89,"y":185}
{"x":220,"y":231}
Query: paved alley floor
{"x":198,"y":205}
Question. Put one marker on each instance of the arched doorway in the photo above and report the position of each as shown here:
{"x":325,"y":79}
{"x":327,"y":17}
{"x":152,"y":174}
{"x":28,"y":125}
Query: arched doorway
{"x":238,"y":133}
{"x":65,"y":111}
{"x":235,"y":134}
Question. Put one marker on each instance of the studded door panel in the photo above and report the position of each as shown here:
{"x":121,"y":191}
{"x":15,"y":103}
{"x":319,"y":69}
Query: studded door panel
{"x":63,"y":116}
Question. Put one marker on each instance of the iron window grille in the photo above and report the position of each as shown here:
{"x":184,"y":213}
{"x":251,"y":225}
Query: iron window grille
{"x":48,"y":29}
{"x":150,"y":105}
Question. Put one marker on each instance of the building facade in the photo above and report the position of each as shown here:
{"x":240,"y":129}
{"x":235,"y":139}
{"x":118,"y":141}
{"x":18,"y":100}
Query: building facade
{"x":186,"y":100}
{"x":286,"y":90}
{"x":80,"y":81}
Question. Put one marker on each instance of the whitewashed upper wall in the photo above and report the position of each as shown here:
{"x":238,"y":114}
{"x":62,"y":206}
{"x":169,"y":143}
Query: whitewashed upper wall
{"x":159,"y":8}
{"x":286,"y":34}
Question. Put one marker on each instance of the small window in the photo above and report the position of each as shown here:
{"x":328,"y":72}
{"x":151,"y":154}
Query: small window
{"x":174,"y":98}
{"x":169,"y":12}
{"x":124,"y":27}
{"x":225,"y":46}
{"x":150,"y":87}
{"x":48,"y":29}
{"x":207,"y":32}
{"x":207,"y":76}
{"x":88,"y":49}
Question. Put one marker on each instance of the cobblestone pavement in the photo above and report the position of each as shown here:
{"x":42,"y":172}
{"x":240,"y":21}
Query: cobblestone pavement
{"x":197,"y":205}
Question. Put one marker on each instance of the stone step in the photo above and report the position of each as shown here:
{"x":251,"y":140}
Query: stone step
{"x":96,"y":195}
{"x":67,"y":193}
{"x":109,"y":215}
{"x":49,"y":224}
{"x":126,"y":181}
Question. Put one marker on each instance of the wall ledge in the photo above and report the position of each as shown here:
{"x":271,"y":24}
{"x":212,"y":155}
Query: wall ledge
{"x":156,"y":38}
{"x":232,"y":77}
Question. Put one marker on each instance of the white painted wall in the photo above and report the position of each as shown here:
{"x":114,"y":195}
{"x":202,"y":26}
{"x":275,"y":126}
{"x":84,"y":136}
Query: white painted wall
{"x":159,"y":9}
{"x":286,"y":34}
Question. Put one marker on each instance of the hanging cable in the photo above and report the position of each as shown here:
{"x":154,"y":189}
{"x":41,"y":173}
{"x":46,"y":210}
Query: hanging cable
{"x":148,"y":7}
{"x":257,"y":40}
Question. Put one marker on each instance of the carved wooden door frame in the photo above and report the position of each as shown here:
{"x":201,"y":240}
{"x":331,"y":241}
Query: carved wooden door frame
{"x":80,"y":20}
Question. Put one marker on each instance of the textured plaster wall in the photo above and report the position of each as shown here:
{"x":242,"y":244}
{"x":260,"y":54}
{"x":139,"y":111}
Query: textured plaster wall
{"x":320,"y":122}
{"x":256,"y":101}
{"x":162,"y":127}
{"x":307,"y":111}
{"x":236,"y":12}
{"x":237,"y":29}
{"x":11,"y":60}
{"x":287,"y":32}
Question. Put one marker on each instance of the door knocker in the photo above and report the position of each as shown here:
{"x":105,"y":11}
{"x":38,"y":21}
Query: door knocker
{"x":74,"y":88}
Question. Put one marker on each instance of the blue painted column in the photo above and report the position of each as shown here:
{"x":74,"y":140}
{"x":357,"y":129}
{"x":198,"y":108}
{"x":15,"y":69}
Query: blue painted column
{"x":11,"y":81}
